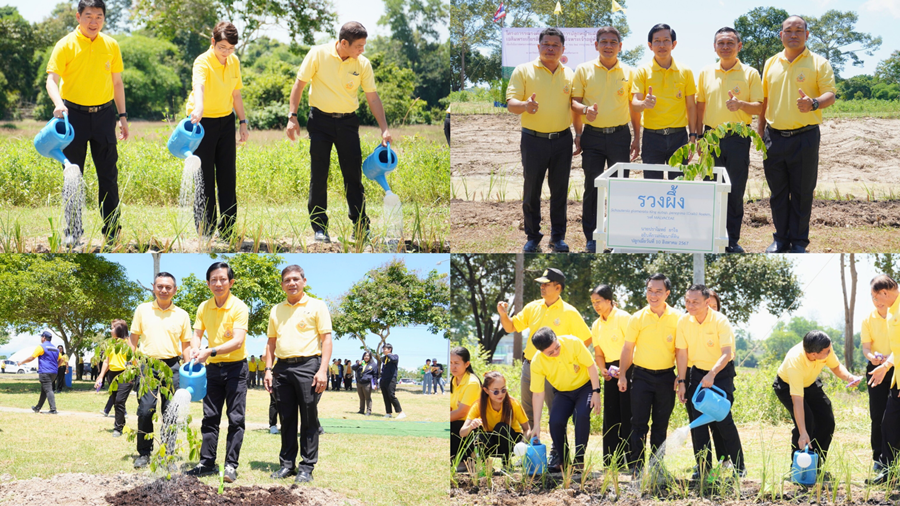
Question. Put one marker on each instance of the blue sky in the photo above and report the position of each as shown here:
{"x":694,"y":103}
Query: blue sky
{"x":328,"y":275}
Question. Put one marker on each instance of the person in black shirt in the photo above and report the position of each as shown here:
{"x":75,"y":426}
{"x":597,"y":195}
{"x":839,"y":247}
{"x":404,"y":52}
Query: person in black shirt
{"x":388,"y":383}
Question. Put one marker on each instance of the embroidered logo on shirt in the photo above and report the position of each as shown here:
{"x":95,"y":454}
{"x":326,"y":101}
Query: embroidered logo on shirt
{"x":678,"y":94}
{"x":229,"y":333}
{"x":577,"y":368}
{"x":669,"y":339}
{"x":566,"y":89}
{"x":350,"y":85}
{"x":621,"y":91}
{"x":736,"y":91}
{"x":556,"y":322}
{"x":709,"y":343}
{"x":801,"y":78}
{"x":108,"y":66}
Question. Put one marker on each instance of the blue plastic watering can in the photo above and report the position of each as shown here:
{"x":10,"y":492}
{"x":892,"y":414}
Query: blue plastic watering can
{"x":804,"y":474}
{"x":712,"y":403}
{"x":55,"y":137}
{"x":192,"y":378}
{"x":535,"y":458}
{"x":379,"y":163}
{"x":185,"y":139}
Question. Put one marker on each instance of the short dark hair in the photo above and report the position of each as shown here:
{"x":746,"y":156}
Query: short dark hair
{"x":428,"y":360}
{"x":883,"y":282}
{"x":120,"y":329}
{"x":552,"y":32}
{"x":543,"y":338}
{"x":352,"y":31}
{"x":727,"y":29}
{"x":659,"y":277}
{"x":96,"y":4}
{"x":604,"y":291}
{"x":292,"y":268}
{"x":609,"y":29}
{"x":388,"y":345}
{"x":225,"y":31}
{"x":815,"y":341}
{"x":219,"y":265}
{"x":164,"y":274}
{"x":704,"y":291}
{"x":805,"y":24}
{"x":659,"y":27}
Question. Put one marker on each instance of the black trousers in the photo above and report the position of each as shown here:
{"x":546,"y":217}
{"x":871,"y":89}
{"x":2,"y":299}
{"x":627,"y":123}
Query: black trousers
{"x":498,"y":442}
{"x":447,"y":128}
{"x":118,"y":400}
{"x":60,"y":379}
{"x":735,"y":157}
{"x":273,"y":408}
{"x":599,"y":151}
{"x":616,"y":421}
{"x":388,"y":392}
{"x":878,"y":399}
{"x":657,"y":148}
{"x":295,"y":393}
{"x":225,"y":382}
{"x":348,"y":383}
{"x":218,"y":154}
{"x":343,"y":134}
{"x":47,"y":380}
{"x":792,"y":169}
{"x":725,"y":433}
{"x":551,"y":158}
{"x":98,"y":129}
{"x":890,"y":429}
{"x":147,"y":407}
{"x":251,"y":379}
{"x":817,"y":412}
{"x":652,"y":393}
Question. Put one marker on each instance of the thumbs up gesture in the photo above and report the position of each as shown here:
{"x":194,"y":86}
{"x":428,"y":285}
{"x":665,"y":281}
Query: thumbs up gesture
{"x":531,"y":104}
{"x":804,"y":103}
{"x":732,"y":103}
{"x":592,"y":112}
{"x":649,"y":100}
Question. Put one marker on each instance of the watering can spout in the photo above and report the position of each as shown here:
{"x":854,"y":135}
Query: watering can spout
{"x":702,"y":420}
{"x":379,"y":163}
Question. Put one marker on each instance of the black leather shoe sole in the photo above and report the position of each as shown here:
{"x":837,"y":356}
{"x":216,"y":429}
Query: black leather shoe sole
{"x":282,"y":473}
{"x":202,"y":471}
{"x":303,"y":477}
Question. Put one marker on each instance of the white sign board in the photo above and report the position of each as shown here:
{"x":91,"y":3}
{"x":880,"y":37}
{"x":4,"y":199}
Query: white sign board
{"x":520,"y":46}
{"x":661,"y":215}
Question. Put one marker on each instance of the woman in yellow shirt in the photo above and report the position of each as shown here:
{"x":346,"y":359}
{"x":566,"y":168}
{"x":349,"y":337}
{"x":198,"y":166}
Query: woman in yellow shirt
{"x":115,"y":364}
{"x":500,"y":424}
{"x":464,"y":388}
{"x":215,"y":99}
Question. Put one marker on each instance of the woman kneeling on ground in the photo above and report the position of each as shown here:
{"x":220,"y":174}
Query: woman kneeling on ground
{"x":500,"y":424}
{"x":464,"y":389}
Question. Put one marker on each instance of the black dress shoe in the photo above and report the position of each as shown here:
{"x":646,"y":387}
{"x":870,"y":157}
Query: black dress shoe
{"x":282,"y":473}
{"x":141,"y":461}
{"x":591,"y":247}
{"x":777,"y":247}
{"x":202,"y":470}
{"x":531,"y":246}
{"x":559,"y":246}
{"x":734,"y":249}
{"x":303,"y":477}
{"x":795,"y":248}
{"x":880,"y":478}
{"x":322,"y":237}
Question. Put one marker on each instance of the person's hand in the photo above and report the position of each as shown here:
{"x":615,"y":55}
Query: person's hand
{"x":197,"y":114}
{"x":591,"y":113}
{"x":386,"y":137}
{"x":649,"y":101}
{"x":98,"y":384}
{"x":854,"y":380}
{"x":708,"y":380}
{"x":605,"y":373}
{"x":803,"y":442}
{"x":623,"y":382}
{"x":535,"y":433}
{"x":502,"y":307}
{"x":531,"y":105}
{"x":595,"y":403}
{"x":804,"y":103}
{"x":732,"y":103}
{"x":200,"y":356}
{"x":293,"y":129}
{"x":475,"y":423}
{"x":877,"y":375}
{"x":60,"y":110}
{"x":320,"y":381}
{"x":123,"y":129}
{"x":681,"y":391}
{"x":577,"y":146}
{"x":267,"y":381}
{"x":243,"y":134}
{"x":877,"y":359}
{"x":635,"y":148}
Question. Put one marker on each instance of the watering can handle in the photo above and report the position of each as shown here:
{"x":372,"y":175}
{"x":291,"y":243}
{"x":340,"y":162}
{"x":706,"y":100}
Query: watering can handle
{"x":717,"y":389}
{"x":806,"y":449}
{"x":697,"y":392}
{"x":190,"y":363}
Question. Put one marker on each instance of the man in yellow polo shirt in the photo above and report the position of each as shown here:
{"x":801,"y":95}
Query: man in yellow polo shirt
{"x":251,"y":369}
{"x":160,"y":330}
{"x":335,"y":72}
{"x":224,"y":318}
{"x":300,"y":337}
{"x":650,"y":347}
{"x":601,"y":92}
{"x":704,"y":342}
{"x":540,"y":91}
{"x":800,"y":391}
{"x":730,"y":92}
{"x":797,"y":85}
{"x":876,"y":347}
{"x":885,"y":293}
{"x":85,"y":78}
{"x":568,"y":366}
{"x":549,"y":311}
{"x":663,"y":90}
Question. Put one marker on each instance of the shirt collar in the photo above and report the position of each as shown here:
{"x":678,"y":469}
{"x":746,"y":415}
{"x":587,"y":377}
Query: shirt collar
{"x":800,"y":56}
{"x":156,"y":307}
{"x":737,"y":66}
{"x":674,"y":66}
{"x":302,"y":302}
{"x":228,"y":302}
{"x":539,"y":64}
{"x":600,"y":64}
{"x":213,"y":59}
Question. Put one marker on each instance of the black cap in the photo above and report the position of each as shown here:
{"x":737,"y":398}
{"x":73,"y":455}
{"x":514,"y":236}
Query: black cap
{"x":46,"y":334}
{"x":552,"y":275}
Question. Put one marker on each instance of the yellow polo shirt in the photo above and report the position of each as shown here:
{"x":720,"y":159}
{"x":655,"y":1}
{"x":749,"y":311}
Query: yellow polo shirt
{"x":781,"y":81}
{"x":741,"y":80}
{"x":161,"y":331}
{"x":704,"y":341}
{"x":653,"y":337}
{"x":62,"y":360}
{"x":219,"y":82}
{"x":610,"y":89}
{"x":333,"y":83}
{"x":251,"y":365}
{"x":609,"y":336}
{"x":296,"y":328}
{"x":875,"y":331}
{"x":671,"y":87}
{"x":494,"y":417}
{"x":117,"y":362}
{"x":86,"y":67}
{"x":220,"y":324}
{"x":560,"y":316}
{"x":553,"y":93}
{"x":465,"y":392}
{"x":566,"y":371}
{"x":893,"y":325}
{"x":799,"y":372}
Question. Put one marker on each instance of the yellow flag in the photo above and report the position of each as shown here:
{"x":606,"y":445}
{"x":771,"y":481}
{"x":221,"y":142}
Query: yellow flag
{"x":558,"y":9}
{"x":616,"y":7}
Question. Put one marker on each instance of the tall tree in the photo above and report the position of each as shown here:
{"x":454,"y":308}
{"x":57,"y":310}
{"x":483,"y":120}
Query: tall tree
{"x":849,"y":306}
{"x":888,"y":263}
{"x":17,"y":45}
{"x":478,"y":283}
{"x":759,"y":30}
{"x":889,"y":68}
{"x":833,"y":36}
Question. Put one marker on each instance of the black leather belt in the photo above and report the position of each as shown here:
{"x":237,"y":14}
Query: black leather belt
{"x":223,"y":364}
{"x":297,"y":360}
{"x":543,"y":135}
{"x":171,"y":362}
{"x":333,"y":114}
{"x":655,"y":371}
{"x":790,"y":133}
{"x":82,"y":108}
{"x":609,"y":130}
{"x":665,"y":131}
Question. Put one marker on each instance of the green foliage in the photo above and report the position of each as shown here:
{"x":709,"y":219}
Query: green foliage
{"x":888,"y":263}
{"x":478,"y":283}
{"x":885,"y":91}
{"x":152,"y":87}
{"x":707,"y":148}
{"x":60,"y":22}
{"x":788,"y":334}
{"x":759,"y":29}
{"x":889,"y":68}
{"x":267,"y":95}
{"x":856,"y":87}
{"x":832,"y":33}
{"x":395,"y":88}
{"x":17,"y":45}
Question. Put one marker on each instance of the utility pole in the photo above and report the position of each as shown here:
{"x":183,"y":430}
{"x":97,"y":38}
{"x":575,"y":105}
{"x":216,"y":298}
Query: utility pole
{"x":699,"y":269}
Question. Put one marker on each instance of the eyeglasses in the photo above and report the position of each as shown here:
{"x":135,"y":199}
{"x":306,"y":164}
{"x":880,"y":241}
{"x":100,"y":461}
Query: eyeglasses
{"x":498,"y":392}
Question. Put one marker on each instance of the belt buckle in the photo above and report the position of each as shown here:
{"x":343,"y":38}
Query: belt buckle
{"x":608,"y":130}
{"x":787,"y":133}
{"x":666,"y":131}
{"x":553,"y":135}
{"x":93,"y":109}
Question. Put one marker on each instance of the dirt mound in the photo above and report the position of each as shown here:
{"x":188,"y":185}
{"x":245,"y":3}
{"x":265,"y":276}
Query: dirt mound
{"x":833,"y":213}
{"x":189,"y":490}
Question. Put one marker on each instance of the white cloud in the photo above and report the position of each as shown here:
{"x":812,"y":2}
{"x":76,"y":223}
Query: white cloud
{"x":891,"y":6}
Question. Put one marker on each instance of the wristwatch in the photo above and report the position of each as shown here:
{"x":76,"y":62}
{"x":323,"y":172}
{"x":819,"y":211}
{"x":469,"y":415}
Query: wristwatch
{"x":214,"y":353}
{"x":123,"y":115}
{"x":291,"y":115}
{"x":815,"y":104}
{"x":597,"y":390}
{"x":242,"y":122}
{"x":585,"y":110}
{"x":268,"y":368}
{"x":680,"y":381}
